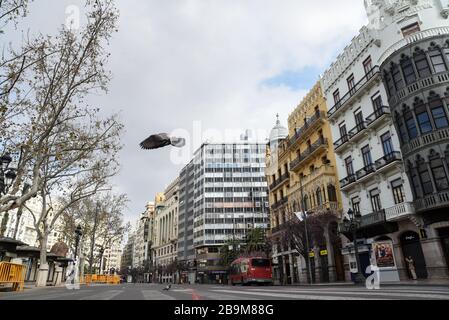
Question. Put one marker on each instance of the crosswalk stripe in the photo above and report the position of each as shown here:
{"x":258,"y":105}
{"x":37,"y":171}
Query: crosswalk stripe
{"x":292,"y":296}
{"x":155,"y":295}
{"x":107,"y":295}
{"x":365,"y":293}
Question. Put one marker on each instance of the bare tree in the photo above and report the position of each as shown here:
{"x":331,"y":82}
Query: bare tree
{"x":58,"y":134}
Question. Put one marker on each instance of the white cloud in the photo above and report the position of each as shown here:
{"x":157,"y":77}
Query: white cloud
{"x":175,"y":62}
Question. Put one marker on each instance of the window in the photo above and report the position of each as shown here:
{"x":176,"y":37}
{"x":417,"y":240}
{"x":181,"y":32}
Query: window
{"x":446,"y":53}
{"x":368,"y":66}
{"x":351,"y":84}
{"x":423,"y":119}
{"x":375,"y":200}
{"x":397,"y":77}
{"x":377,"y":105}
{"x":437,"y":61}
{"x":422,"y":64}
{"x":391,"y":89}
{"x":408,"y":70}
{"x":426,"y":180}
{"x":337,"y":96}
{"x":398,"y":191}
{"x":438,"y":114}
{"x":349,"y":166}
{"x":366,"y":154}
{"x":343,"y":132}
{"x":411,"y":125}
{"x":402,"y":130}
{"x":387,"y":144}
{"x":319,"y":197}
{"x":356,"y":205}
{"x":332,"y":193}
{"x":410,"y":29}
{"x":415,"y":182}
{"x":358,"y":116}
{"x":439,"y":174}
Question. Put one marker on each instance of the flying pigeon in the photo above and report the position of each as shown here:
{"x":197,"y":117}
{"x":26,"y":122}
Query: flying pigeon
{"x":162,"y":140}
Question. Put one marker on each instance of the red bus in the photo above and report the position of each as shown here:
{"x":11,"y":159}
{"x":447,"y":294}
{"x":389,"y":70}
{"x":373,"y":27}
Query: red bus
{"x":251,"y":271}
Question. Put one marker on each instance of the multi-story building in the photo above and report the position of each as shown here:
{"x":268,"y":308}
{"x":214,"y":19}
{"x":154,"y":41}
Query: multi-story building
{"x":302,"y":176}
{"x":112,"y":257}
{"x":166,"y":234}
{"x":126,"y":262}
{"x":143,"y":240}
{"x":375,"y":182}
{"x":229,"y":199}
{"x":186,"y":250}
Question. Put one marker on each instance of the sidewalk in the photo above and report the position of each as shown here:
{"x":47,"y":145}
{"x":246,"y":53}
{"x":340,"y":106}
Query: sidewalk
{"x":429,"y":283}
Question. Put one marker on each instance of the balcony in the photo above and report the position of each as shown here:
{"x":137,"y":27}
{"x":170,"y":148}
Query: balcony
{"x":419,"y":85}
{"x":279,"y":182}
{"x":359,"y":88}
{"x":433,"y":201}
{"x":435,"y":137}
{"x":309,"y":126}
{"x":400,"y":211}
{"x":321,"y":144}
{"x":380,"y":166}
{"x":280,"y":203}
{"x":368,"y":220}
{"x":372,"y":122}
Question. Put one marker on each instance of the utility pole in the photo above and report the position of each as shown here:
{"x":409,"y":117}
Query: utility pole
{"x":92,"y":242}
{"x":306,"y":231}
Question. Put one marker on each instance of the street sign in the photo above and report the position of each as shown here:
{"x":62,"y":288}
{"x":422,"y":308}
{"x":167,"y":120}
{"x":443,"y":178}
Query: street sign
{"x":312,"y":254}
{"x":323,"y":253}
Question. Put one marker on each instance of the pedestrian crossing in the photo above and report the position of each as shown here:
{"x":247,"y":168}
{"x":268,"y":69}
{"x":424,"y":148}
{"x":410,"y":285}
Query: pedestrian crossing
{"x":205,"y":292}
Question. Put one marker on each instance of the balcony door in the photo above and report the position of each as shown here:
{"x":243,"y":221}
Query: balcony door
{"x":375,"y":200}
{"x":367,"y":158}
{"x":351,"y":84}
{"x":358,"y":115}
{"x":349,"y":166}
{"x":387,"y":144}
{"x":343,"y":132}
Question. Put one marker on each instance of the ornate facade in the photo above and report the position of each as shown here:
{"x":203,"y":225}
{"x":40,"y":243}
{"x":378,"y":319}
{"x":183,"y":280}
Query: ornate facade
{"x":302,"y":175}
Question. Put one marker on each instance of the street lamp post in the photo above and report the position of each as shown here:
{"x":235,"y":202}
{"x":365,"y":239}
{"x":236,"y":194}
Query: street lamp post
{"x":101,"y":260}
{"x":78,"y":234}
{"x":303,"y":207}
{"x":7,"y":177}
{"x":353,"y":223}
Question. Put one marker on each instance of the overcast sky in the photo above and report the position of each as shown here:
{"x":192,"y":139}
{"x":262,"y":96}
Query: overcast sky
{"x":214,"y":64}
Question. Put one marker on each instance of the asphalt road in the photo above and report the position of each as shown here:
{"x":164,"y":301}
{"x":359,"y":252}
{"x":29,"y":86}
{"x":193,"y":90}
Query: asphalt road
{"x":214,"y":292}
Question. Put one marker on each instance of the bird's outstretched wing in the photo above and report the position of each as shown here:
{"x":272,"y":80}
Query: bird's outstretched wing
{"x":156,"y":141}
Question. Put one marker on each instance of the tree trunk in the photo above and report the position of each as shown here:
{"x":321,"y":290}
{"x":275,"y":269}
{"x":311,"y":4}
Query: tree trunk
{"x":42,"y":275}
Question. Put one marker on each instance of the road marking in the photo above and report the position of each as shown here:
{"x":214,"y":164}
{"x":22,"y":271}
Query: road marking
{"x":291,"y":296}
{"x":365,"y":292}
{"x":107,"y":295}
{"x":155,"y":295}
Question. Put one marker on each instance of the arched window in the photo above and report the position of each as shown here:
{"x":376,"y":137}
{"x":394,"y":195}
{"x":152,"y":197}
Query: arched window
{"x":411,"y":125}
{"x":402,"y":130}
{"x":306,"y":202}
{"x":332,"y":193}
{"x":437,"y":60}
{"x":422,"y":116}
{"x":438,"y":172}
{"x":414,"y":178}
{"x":397,"y":77}
{"x":438,"y":113}
{"x":424,"y":175}
{"x":390,"y":84}
{"x":319,"y":197}
{"x":422,"y":64}
{"x":408,"y":70}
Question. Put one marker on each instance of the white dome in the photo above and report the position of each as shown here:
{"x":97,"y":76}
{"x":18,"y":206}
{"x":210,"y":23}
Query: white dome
{"x":278,"y":132}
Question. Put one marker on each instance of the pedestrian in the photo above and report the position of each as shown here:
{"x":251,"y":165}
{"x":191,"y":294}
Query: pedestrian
{"x":411,"y":267}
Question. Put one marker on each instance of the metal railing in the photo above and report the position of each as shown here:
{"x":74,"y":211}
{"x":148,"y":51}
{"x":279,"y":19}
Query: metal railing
{"x":377,"y":166}
{"x":310,"y":151}
{"x":301,"y":133}
{"x":369,"y":122}
{"x":280,"y":203}
{"x":370,"y":75}
{"x":373,"y":218}
{"x":279,"y":181}
{"x":11,"y":273}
